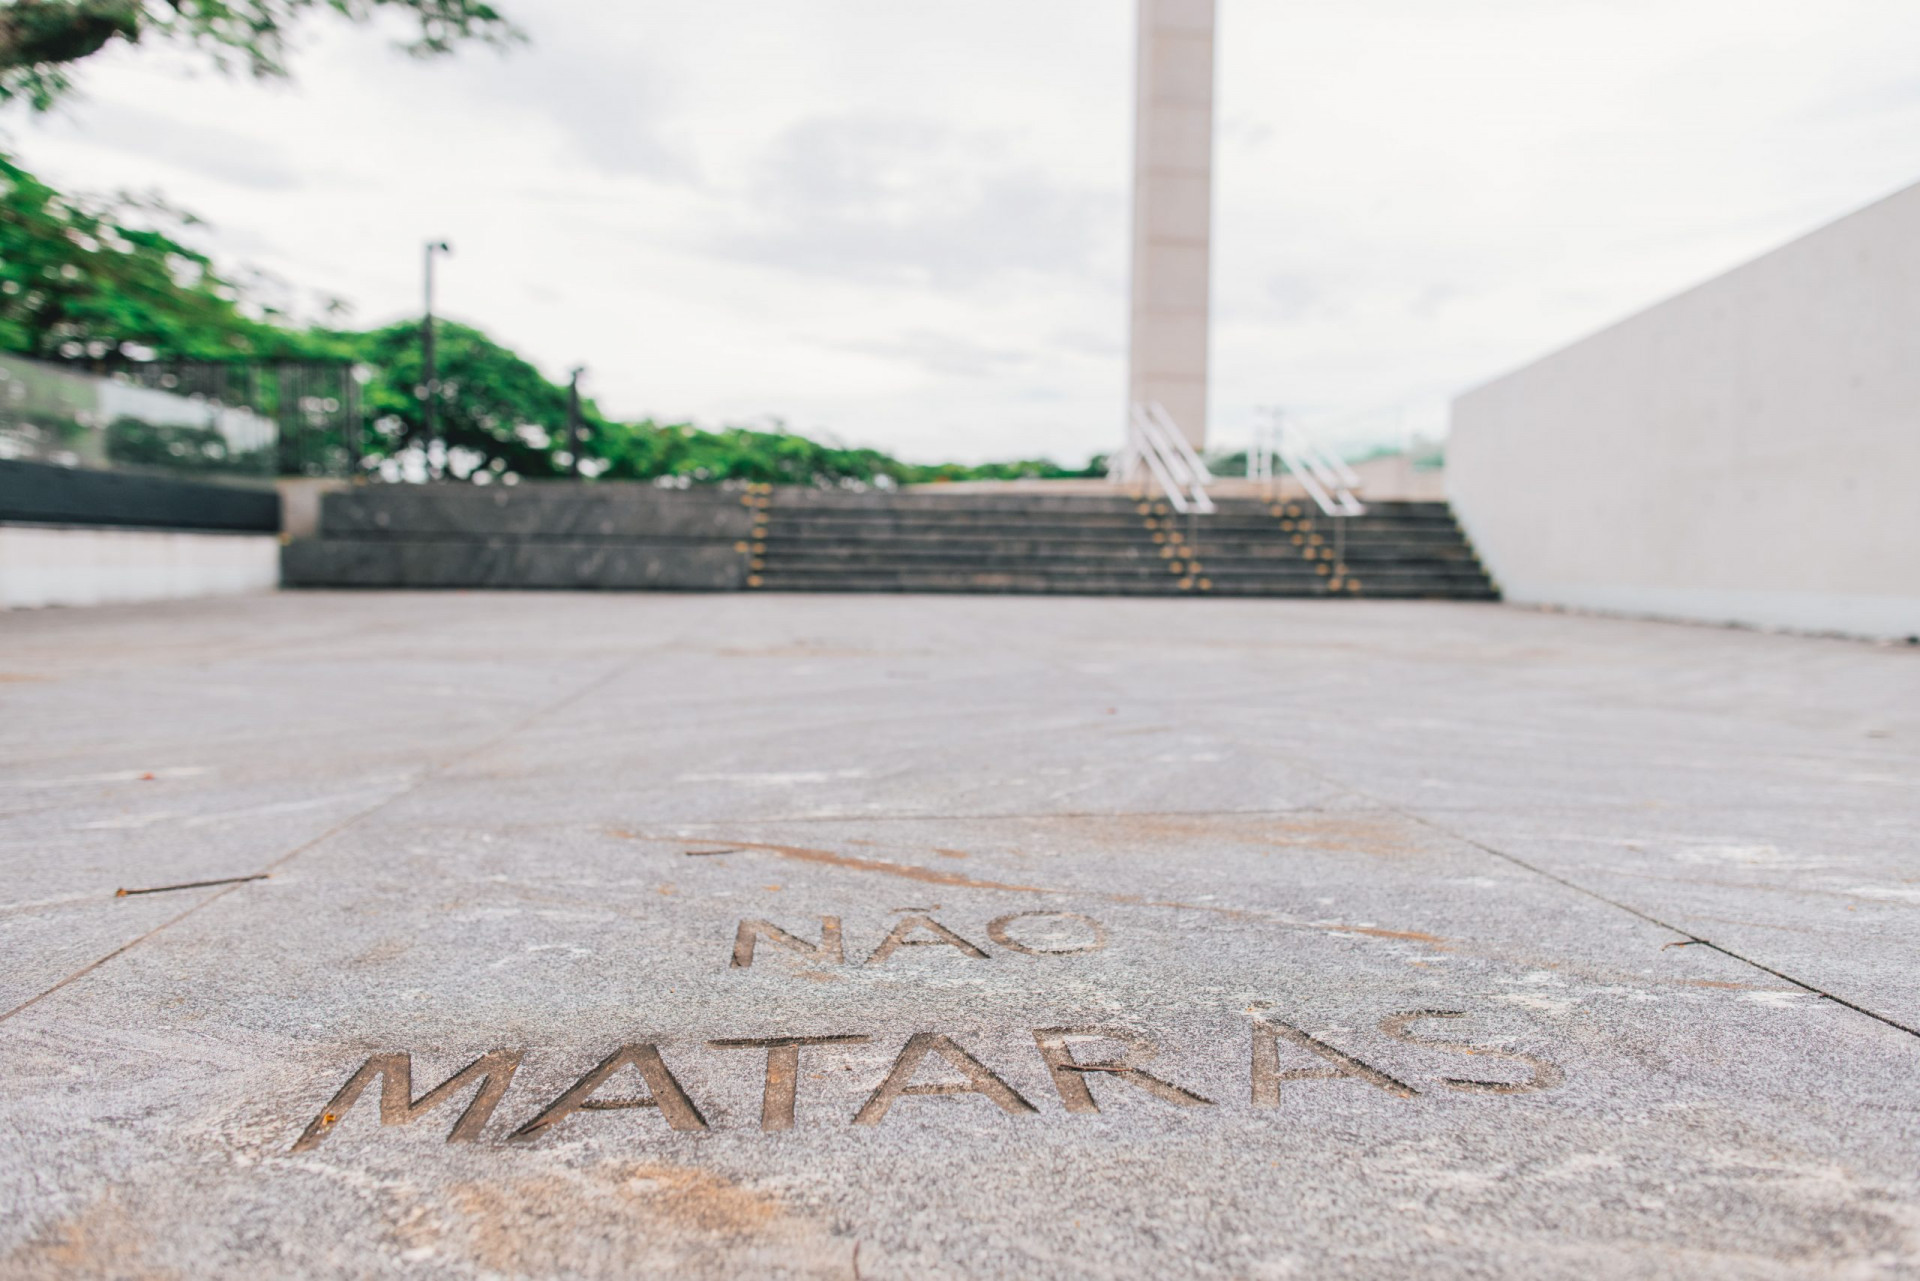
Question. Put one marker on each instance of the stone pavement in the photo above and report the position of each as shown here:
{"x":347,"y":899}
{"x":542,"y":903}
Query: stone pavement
{"x":896,"y":937}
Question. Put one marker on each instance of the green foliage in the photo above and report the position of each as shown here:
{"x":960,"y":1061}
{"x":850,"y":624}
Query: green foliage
{"x":498,"y":416}
{"x":647,"y":450}
{"x":1233,"y":463}
{"x":97,"y":280}
{"x":496,"y":412}
{"x":40,"y":40}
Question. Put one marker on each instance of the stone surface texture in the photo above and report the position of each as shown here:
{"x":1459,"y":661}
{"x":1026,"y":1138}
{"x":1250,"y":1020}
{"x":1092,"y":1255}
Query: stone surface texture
{"x":1403,"y":939}
{"x":617,"y":536}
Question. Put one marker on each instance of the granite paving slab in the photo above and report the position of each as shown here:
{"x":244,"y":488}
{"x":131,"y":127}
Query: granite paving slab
{"x":797,"y":936}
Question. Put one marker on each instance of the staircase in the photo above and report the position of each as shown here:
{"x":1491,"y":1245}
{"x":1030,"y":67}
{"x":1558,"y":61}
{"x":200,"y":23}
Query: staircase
{"x":814,"y":541}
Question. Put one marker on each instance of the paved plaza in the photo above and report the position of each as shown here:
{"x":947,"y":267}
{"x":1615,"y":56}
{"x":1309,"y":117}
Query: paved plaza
{"x":908,"y":937}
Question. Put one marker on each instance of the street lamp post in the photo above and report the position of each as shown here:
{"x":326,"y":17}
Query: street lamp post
{"x":429,"y":374}
{"x":576,"y":429}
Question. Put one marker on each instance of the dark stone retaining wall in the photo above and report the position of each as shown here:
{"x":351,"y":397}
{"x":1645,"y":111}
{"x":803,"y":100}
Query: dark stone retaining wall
{"x":42,"y":494}
{"x":554,"y":535}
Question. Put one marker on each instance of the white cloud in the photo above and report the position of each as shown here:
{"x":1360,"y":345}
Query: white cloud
{"x":912,"y":202}
{"x":906,"y":224}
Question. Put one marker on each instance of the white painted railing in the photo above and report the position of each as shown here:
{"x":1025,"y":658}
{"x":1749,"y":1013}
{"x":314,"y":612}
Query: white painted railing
{"x":1157,"y":450}
{"x":1324,"y":475}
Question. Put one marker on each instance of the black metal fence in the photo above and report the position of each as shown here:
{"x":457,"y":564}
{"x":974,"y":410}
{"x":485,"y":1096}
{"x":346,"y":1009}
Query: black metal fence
{"x":213,"y":419}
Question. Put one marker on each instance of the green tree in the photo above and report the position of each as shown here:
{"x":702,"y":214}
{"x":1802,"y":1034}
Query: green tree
{"x":86,"y":278}
{"x":497,"y":414}
{"x":100,"y":280}
{"x":42,"y":40}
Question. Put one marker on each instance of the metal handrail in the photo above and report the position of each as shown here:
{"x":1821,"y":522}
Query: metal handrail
{"x":1156,"y":446}
{"x":1169,"y":432}
{"x":1326,"y":477}
{"x":1260,"y":453}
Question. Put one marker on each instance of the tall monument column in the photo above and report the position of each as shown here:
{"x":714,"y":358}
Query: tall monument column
{"x":1173,"y":210}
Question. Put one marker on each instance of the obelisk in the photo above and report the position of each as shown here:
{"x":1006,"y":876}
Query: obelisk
{"x":1173,"y":210}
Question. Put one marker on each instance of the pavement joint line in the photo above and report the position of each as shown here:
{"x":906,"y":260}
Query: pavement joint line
{"x":1686,"y":935}
{"x":190,"y":885}
{"x":1025,"y":816}
{"x":913,"y":872}
{"x":124,"y":947}
{"x":1516,"y":861}
{"x":428,"y":776}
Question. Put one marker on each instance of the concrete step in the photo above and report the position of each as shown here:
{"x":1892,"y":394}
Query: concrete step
{"x":1438,"y":554}
{"x":1093,"y":519}
{"x":1041,"y":584}
{"x":773,"y":561}
{"x":639,"y":536}
{"x":1108,"y":585}
{"x":907,"y":532}
{"x":1088,"y":545}
{"x":1054,"y":544}
{"x":798,"y":499}
{"x":1139,"y":571}
{"x":1443,"y":574}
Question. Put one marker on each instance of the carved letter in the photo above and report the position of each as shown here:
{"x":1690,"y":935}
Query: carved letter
{"x":1069,"y":1075}
{"x":1546,"y":1075}
{"x":997,"y":931}
{"x":979,"y":1080}
{"x":943,"y":937}
{"x":1267,"y":1075}
{"x":493,"y":1072}
{"x":783,"y":1071}
{"x":665,"y":1093}
{"x":827,"y":953}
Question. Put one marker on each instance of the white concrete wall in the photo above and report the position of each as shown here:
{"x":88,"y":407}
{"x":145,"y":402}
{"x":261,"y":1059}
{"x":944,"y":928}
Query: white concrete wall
{"x":1173,"y":211}
{"x":1747,"y":452}
{"x":57,"y":565}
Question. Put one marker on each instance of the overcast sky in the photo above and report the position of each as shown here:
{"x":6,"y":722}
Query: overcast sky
{"x":906,"y":224}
